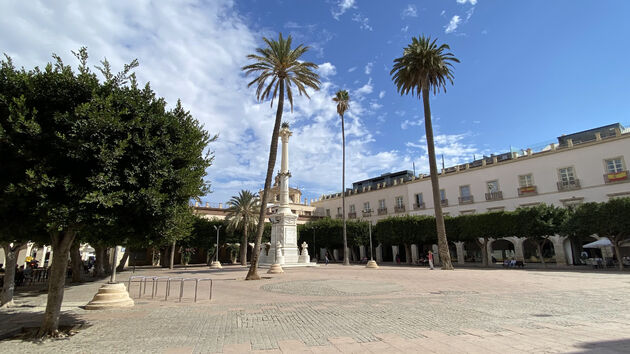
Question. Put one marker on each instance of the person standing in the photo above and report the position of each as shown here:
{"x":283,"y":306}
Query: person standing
{"x":430,"y":257}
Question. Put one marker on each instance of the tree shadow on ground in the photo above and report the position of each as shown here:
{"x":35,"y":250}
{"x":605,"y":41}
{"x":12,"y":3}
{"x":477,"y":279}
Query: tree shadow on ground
{"x":607,"y":346}
{"x":15,"y":323}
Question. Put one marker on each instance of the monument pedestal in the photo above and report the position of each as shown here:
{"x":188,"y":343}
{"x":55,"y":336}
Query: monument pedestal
{"x":215,"y":265}
{"x":275,"y":269}
{"x":371,"y":264}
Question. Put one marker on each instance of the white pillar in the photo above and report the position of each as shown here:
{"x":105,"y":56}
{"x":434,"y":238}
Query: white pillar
{"x":395,"y":252}
{"x":558,"y":249}
{"x":459,"y":245}
{"x":336,"y":254}
{"x":362,"y":251}
{"x":414,"y":253}
{"x":379,"y":253}
{"x":489,"y":250}
{"x":322,"y":253}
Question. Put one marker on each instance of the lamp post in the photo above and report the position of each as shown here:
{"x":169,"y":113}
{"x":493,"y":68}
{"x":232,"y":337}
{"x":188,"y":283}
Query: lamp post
{"x":371,"y":263}
{"x":216,"y":264}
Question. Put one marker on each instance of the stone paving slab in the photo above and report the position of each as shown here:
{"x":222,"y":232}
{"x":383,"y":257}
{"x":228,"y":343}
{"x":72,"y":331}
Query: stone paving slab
{"x":352,"y":309}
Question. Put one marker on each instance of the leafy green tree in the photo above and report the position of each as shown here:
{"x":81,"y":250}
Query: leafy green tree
{"x":538,"y":224}
{"x":425,"y":66}
{"x":242,"y":213}
{"x":279,"y":68}
{"x":481,"y":227}
{"x":106,"y":154}
{"x":342,"y":98}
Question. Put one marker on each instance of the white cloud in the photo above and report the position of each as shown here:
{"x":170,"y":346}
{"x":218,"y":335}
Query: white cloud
{"x":472,"y":2}
{"x":410,"y":123}
{"x":400,"y":113}
{"x":341,"y":8}
{"x":452,"y":146}
{"x":452,"y":25}
{"x":442,"y":13}
{"x":368,"y":68}
{"x":381,"y":94}
{"x":365,"y":89}
{"x":352,"y":69}
{"x":410,"y":11}
{"x":326,"y":70}
{"x":469,"y":13}
{"x":404,"y":29}
{"x":375,"y":105}
{"x":363,"y":21}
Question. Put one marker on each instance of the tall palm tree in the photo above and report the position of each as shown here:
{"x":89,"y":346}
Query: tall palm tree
{"x":342,"y":98}
{"x":242,"y":213}
{"x":425,"y":66}
{"x":281,"y":65}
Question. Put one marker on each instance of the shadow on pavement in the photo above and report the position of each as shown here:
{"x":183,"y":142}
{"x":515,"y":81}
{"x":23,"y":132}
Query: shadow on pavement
{"x":14,"y":323}
{"x":608,"y":346}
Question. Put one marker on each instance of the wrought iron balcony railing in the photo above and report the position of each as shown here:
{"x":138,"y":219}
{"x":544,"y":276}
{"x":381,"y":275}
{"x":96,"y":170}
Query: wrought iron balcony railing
{"x":621,"y":176}
{"x":399,"y":209}
{"x":382,"y":211}
{"x":417,"y":206}
{"x":528,"y":190}
{"x":466,"y":199}
{"x":494,"y":195}
{"x":569,"y":185}
{"x":352,"y":215}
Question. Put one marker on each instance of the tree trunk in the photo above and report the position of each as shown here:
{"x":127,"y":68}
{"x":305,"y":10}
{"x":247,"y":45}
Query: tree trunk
{"x":123,"y":260}
{"x":75,"y":259}
{"x":484,"y":251}
{"x":244,"y":244}
{"x":539,"y":246}
{"x":346,"y":260}
{"x":408,"y":253}
{"x":10,"y":256}
{"x":252,"y":274}
{"x":107,"y":268}
{"x":616,"y":242}
{"x":445,"y":257}
{"x":172,"y":263}
{"x":99,"y":264}
{"x":61,"y":243}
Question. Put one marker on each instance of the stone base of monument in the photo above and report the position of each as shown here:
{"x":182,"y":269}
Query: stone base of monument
{"x":371,"y":264}
{"x":275,"y":269}
{"x":110,"y":296}
{"x":215,"y":265}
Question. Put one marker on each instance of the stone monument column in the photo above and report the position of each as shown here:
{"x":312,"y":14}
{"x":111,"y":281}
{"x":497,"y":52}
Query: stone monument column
{"x":283,"y":229}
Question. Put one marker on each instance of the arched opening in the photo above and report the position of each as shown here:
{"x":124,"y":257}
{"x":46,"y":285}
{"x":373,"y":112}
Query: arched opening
{"x":502,"y":250}
{"x":581,"y":254}
{"x":388,"y":255}
{"x":472,"y":252}
{"x":530,"y":252}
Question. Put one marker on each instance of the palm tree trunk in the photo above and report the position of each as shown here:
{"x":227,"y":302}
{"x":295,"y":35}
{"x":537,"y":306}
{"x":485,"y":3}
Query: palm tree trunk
{"x":346,"y":259}
{"x":123,"y":260}
{"x":61,"y":243}
{"x":445,"y":257}
{"x":252,"y":274}
{"x":244,"y":243}
{"x":172,"y":263}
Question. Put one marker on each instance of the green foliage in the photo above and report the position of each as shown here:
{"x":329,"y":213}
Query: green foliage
{"x":406,"y":229}
{"x":343,"y":102}
{"x":329,"y":233}
{"x":279,"y":62}
{"x":423,"y":63}
{"x":539,"y":222}
{"x":243,"y":211}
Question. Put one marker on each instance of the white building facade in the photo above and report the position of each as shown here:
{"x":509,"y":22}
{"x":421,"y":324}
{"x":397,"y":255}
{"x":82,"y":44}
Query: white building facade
{"x":593,"y":168}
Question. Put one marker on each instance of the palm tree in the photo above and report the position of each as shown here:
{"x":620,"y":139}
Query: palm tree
{"x":242,"y":213}
{"x":425,"y":66}
{"x":342,"y":98}
{"x":282,"y":66}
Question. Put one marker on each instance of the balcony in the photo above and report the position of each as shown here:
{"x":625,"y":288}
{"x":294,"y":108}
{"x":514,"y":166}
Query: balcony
{"x":466,"y":199}
{"x":418,"y":206}
{"x":444,"y":202}
{"x":621,"y":176}
{"x":528,"y":190}
{"x":399,"y":209}
{"x":382,"y":211}
{"x":338,"y":216}
{"x":569,"y":185}
{"x":367,"y":213}
{"x":352,"y":215}
{"x":494,"y":195}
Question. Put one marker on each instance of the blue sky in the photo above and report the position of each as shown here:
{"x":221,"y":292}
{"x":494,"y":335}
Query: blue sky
{"x":529,"y":71}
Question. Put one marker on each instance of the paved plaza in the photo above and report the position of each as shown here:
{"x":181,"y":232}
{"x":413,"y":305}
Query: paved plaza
{"x":351,"y":309}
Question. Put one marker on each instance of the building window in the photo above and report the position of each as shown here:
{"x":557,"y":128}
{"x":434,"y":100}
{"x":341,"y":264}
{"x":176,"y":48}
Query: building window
{"x":526,"y":180}
{"x":352,"y":208}
{"x":566,"y":179}
{"x":464,"y":195}
{"x":381,"y":204}
{"x":419,"y":200}
{"x":339,"y":210}
{"x":614,"y":165}
{"x":328,"y":212}
{"x":442,"y":194}
{"x":493,"y":186}
{"x":399,"y":202}
{"x":366,"y":206}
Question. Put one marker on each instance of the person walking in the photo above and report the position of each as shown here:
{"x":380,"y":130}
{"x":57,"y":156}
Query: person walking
{"x":326,"y":258}
{"x":430,"y":256}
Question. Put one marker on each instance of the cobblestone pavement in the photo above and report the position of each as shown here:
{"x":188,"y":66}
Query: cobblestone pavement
{"x":353,"y":309}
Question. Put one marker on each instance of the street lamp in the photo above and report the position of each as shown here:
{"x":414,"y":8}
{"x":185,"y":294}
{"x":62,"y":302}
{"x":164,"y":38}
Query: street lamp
{"x":216,"y":264}
{"x":371,"y":263}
